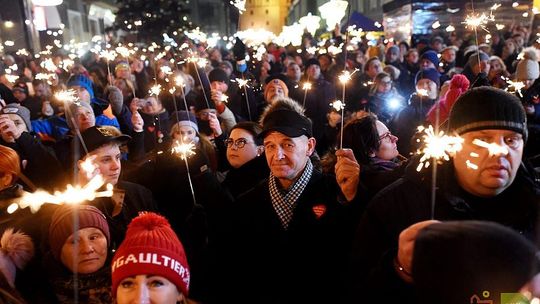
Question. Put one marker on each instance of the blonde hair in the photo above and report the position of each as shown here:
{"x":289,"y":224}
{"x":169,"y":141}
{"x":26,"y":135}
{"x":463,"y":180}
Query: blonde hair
{"x":9,"y":162}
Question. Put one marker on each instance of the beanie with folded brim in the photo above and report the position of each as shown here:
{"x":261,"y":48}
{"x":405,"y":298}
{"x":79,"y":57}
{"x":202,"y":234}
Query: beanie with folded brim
{"x":485,"y":108}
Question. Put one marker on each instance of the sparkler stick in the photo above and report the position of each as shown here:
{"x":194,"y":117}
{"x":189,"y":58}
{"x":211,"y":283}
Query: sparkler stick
{"x":70,"y":96}
{"x":344,"y":78}
{"x":306,"y":87}
{"x":243,"y":83}
{"x":196,"y":63}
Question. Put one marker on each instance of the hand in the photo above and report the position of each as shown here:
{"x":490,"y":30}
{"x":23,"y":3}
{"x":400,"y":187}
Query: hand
{"x":529,"y":109}
{"x":216,"y":96}
{"x":405,"y":253}
{"x":347,"y":173}
{"x":136,"y":118}
{"x":214,"y":124}
{"x":8,"y":130}
{"x":333,"y":119}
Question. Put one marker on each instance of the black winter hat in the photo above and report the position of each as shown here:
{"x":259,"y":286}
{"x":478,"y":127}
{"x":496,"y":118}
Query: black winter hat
{"x":218,"y":75}
{"x":485,"y":108}
{"x":454,"y":261}
{"x":312,"y":61}
{"x":239,"y":50}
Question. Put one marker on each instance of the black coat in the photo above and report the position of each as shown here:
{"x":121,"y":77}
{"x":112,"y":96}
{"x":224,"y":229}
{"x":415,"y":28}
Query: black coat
{"x":246,"y":177}
{"x":303,"y":264}
{"x":136,"y":199}
{"x":408,"y":201}
{"x":317,"y":104}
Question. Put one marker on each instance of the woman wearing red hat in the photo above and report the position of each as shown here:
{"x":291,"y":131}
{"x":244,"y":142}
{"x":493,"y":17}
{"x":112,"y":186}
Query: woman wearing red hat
{"x":150,"y":266}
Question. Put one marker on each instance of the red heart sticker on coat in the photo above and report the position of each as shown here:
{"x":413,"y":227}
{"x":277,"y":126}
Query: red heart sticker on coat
{"x":319,"y":210}
{"x":151,"y":129}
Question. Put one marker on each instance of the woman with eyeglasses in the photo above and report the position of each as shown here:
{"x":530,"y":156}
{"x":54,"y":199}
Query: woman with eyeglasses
{"x":384,"y":100}
{"x":375,"y":149}
{"x":245,"y":154}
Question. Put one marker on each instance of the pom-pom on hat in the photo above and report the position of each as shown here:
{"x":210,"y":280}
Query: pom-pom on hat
{"x":16,"y":249}
{"x":151,"y":248}
{"x":485,"y":108}
{"x":528,"y":68}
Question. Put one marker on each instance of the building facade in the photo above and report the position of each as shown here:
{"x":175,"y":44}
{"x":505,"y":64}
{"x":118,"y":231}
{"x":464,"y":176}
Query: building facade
{"x":270,"y":15}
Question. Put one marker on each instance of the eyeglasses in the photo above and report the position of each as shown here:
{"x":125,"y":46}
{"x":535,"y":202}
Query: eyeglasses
{"x":239,"y":143}
{"x":386,"y":135}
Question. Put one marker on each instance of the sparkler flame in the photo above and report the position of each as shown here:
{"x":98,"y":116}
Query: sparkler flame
{"x":516,"y":85}
{"x":338,"y":105}
{"x":346,"y":76}
{"x":49,"y":65}
{"x":240,"y":5}
{"x":67,"y":95}
{"x":306,"y":86}
{"x":109,"y":55}
{"x":437,"y":146}
{"x":185,"y":150}
{"x":422,"y":92}
{"x":242,"y":82}
{"x":224,"y":98}
{"x":155,"y":90}
{"x":473,"y":21}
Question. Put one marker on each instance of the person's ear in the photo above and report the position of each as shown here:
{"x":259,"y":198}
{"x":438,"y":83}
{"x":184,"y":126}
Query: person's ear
{"x":311,"y":146}
{"x":6,"y":180}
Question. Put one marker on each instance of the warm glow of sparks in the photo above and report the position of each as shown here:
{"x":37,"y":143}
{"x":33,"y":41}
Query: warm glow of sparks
{"x":514,"y":86}
{"x":495,"y":6}
{"x":240,"y":5}
{"x":49,"y":65}
{"x":493,"y":148}
{"x":109,"y":55}
{"x":165,"y":69}
{"x":155,"y":90}
{"x":306,"y":86}
{"x":338,"y":105}
{"x":67,"y":95}
{"x":242,"y":82}
{"x":346,"y":76}
{"x":123,"y":51}
{"x":422,"y":92}
{"x":11,"y":78}
{"x":185,"y":150}
{"x":179,"y":81}
{"x":473,"y":21}
{"x":88,"y":166}
{"x":471,"y":165}
{"x":437,"y":146}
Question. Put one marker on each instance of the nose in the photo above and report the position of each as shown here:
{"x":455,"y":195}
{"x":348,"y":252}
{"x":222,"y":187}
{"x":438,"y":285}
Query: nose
{"x":142,"y":294}
{"x":86,"y":247}
{"x":279,"y":153}
{"x":115,"y":164}
{"x":393,"y":138}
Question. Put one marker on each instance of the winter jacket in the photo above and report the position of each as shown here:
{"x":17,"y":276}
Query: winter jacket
{"x":56,"y":127}
{"x":405,"y":123}
{"x":243,"y":179}
{"x":408,"y":201}
{"x":306,"y":260}
{"x":317,"y":105}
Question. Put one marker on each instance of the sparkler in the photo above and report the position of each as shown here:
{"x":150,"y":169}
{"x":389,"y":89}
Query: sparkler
{"x":422,"y":92}
{"x":306,"y":87}
{"x":243,"y":83}
{"x":68,"y":96}
{"x":338,"y":105}
{"x":438,"y":147}
{"x":473,"y":21}
{"x":110,"y":56}
{"x":185,"y":150}
{"x":493,"y":148}
{"x":155,"y":90}
{"x":240,"y":5}
{"x":197,"y":62}
{"x":516,"y":85}
{"x":343,"y":78}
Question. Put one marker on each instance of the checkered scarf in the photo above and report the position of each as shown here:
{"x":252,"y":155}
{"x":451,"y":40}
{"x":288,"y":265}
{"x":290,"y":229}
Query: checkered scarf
{"x":284,"y":201}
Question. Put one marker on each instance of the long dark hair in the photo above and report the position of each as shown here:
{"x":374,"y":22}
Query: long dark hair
{"x":361,"y":136}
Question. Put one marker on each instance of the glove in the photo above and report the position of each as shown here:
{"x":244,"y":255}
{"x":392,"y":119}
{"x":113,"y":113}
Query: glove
{"x":114,"y":95}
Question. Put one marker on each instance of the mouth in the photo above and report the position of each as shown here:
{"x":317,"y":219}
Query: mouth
{"x":85,"y":261}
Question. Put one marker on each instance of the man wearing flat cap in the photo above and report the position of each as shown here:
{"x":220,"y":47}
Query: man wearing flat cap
{"x":485,"y":180}
{"x":290,"y":234}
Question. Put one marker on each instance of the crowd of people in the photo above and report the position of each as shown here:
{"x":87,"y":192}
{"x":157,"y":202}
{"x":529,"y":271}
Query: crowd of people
{"x":283,"y":198}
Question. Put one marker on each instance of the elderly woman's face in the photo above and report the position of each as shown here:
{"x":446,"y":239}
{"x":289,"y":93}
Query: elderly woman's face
{"x":147,"y":289}
{"x":85,"y":251}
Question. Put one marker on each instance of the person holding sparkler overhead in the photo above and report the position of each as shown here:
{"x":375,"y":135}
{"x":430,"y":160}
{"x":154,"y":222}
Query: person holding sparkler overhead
{"x":484,"y":180}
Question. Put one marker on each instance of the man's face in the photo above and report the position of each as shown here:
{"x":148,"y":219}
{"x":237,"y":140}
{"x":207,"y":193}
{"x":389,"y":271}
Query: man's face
{"x":41,"y":90}
{"x":85,"y":118}
{"x":449,"y":55}
{"x":325,"y":62}
{"x":108,"y":162}
{"x":294,"y":72}
{"x":374,"y":68}
{"x":287,"y":156}
{"x":391,"y":56}
{"x":313,"y":71}
{"x":273,"y":91}
{"x":426,"y":64}
{"x":412,"y":58}
{"x":19,"y":95}
{"x":219,"y":86}
{"x":495,"y":172}
{"x":82,"y":93}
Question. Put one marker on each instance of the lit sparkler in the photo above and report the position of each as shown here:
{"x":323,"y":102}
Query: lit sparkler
{"x":155,"y":90}
{"x":346,"y":76}
{"x":240,"y":5}
{"x":306,"y":86}
{"x":242,"y":82}
{"x":184,"y":150}
{"x":67,"y":96}
{"x":516,"y":86}
{"x":422,"y":92}
{"x":473,"y":21}
{"x":437,"y":146}
{"x":338,"y":105}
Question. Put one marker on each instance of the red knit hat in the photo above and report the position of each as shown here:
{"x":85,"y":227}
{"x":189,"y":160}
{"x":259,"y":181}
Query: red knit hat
{"x":151,"y":247}
{"x":63,"y":225}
